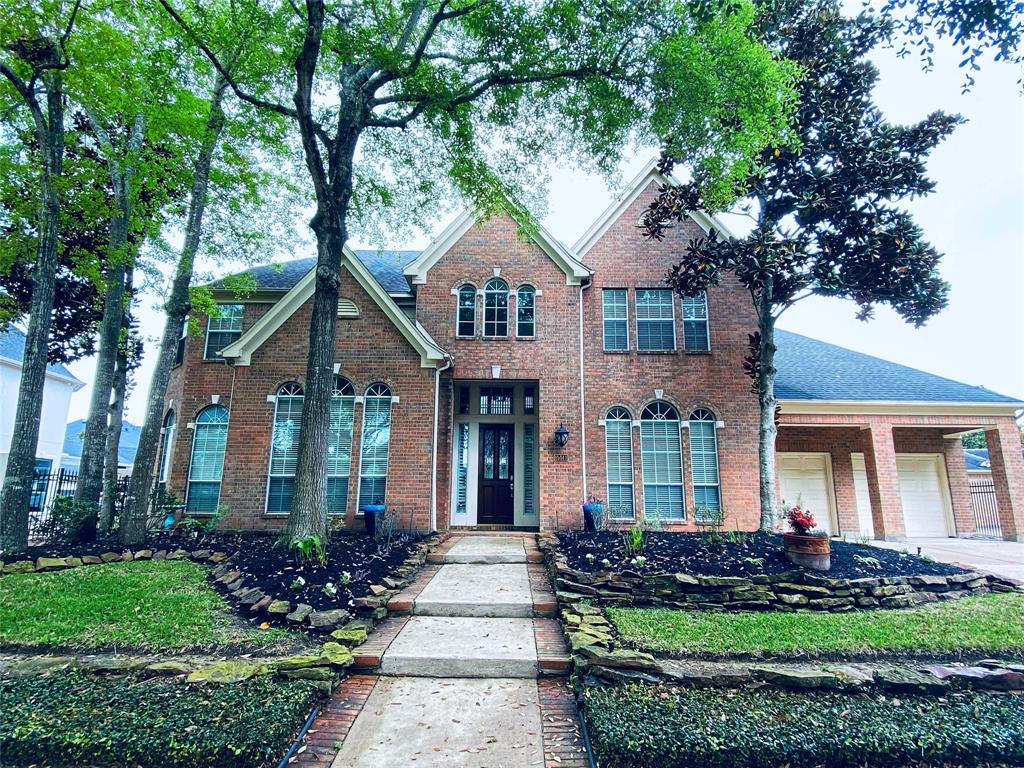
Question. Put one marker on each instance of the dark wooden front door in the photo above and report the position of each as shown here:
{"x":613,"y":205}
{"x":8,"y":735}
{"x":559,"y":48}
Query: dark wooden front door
{"x":496,"y":500}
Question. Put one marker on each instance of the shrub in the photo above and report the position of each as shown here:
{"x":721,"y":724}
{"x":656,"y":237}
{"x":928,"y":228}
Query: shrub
{"x":641,"y":726}
{"x":76,"y":719}
{"x":72,"y":523}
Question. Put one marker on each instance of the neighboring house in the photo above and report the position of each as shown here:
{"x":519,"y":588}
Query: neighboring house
{"x":71,"y":458}
{"x":57,"y":390}
{"x":498,"y":378}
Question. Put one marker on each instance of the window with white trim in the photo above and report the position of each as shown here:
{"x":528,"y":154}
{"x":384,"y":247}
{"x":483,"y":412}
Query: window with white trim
{"x":209,"y":439}
{"x":655,"y":320}
{"x":496,"y":308}
{"x":376,"y":441}
{"x":465,"y":322}
{"x":529,"y":470}
{"x":618,"y":451}
{"x":166,"y":449}
{"x":179,"y":350}
{"x":707,"y":495}
{"x":462,"y":469}
{"x":526,"y":325}
{"x":223,"y":329}
{"x":695,"y":323}
{"x":661,"y":462}
{"x":615,"y":303}
{"x":339,"y":445}
{"x":284,"y":448}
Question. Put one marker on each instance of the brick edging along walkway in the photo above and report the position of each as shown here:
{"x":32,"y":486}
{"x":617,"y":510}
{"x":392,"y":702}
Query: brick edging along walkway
{"x":560,"y":725}
{"x":320,"y":744}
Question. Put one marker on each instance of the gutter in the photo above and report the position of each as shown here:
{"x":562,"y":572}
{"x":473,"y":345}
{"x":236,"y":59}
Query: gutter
{"x":433,"y":452}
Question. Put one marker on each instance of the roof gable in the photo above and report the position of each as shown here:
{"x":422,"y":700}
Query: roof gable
{"x":385,"y":266}
{"x":12,"y":347}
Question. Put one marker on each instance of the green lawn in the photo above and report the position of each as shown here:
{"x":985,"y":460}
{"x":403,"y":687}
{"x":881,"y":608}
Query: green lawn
{"x":989,"y":624}
{"x":154,"y":605}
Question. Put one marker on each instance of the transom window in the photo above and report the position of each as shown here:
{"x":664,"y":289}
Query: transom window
{"x":704,"y":462}
{"x":495,"y":401}
{"x":465,"y":322}
{"x":695,"y":323}
{"x":655,"y":320}
{"x":661,"y":462}
{"x":376,"y":443}
{"x":284,"y":447}
{"x":616,"y":324}
{"x":223,"y":329}
{"x":618,"y":449}
{"x":207,"y":466}
{"x":525,"y":318}
{"x":496,"y":308}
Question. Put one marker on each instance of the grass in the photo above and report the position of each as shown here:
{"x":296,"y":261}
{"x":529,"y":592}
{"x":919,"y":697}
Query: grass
{"x":989,"y":624}
{"x":152,"y":605}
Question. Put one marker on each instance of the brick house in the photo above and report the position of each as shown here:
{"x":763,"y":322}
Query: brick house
{"x":499,"y":378}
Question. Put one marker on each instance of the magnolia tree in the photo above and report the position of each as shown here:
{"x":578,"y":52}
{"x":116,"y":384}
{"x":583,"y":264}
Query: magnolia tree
{"x":825,"y":219}
{"x":398,"y":103}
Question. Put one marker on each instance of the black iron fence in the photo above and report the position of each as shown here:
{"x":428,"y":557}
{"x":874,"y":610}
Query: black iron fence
{"x":50,"y":486}
{"x":986,"y":514}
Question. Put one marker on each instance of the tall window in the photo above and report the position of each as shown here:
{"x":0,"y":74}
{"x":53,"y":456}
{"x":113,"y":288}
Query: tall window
{"x":618,"y":451}
{"x":376,"y":440}
{"x":655,"y":320}
{"x":166,"y":448}
{"x":496,"y":308}
{"x":704,"y":462}
{"x":207,"y":467}
{"x":179,"y":351}
{"x":223,"y":329}
{"x":616,"y":323}
{"x":284,"y":447}
{"x":465,"y":322}
{"x":529,"y":470}
{"x":525,"y":319}
{"x":462,"y":469}
{"x":695,"y":323}
{"x":661,"y":461}
{"x":339,"y":445}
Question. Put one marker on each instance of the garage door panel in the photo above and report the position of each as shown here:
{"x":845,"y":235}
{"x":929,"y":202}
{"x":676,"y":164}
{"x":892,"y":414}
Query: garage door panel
{"x":923,"y":495}
{"x":803,"y":478}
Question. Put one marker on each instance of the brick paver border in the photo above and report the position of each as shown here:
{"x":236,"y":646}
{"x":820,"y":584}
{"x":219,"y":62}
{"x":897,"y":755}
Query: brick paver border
{"x":402,"y":603}
{"x":540,"y":588}
{"x":552,"y":652}
{"x":368,"y":655}
{"x":560,"y":725}
{"x":321,"y":742}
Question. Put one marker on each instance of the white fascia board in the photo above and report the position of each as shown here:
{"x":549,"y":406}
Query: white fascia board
{"x":898,"y":407}
{"x":76,"y":384}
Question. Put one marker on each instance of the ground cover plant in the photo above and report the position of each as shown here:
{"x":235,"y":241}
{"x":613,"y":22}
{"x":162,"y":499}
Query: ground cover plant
{"x":640,"y":726}
{"x":152,"y":605}
{"x":733,"y":553}
{"x":75,"y":719}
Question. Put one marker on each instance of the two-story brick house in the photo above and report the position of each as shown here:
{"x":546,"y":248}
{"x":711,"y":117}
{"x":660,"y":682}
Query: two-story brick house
{"x":499,"y":378}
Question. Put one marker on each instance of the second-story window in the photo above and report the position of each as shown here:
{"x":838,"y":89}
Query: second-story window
{"x":525,"y":319}
{"x":655,"y":320}
{"x":465,"y":322}
{"x":695,"y":323}
{"x":496,"y":308}
{"x":616,"y":323}
{"x":223,"y":329}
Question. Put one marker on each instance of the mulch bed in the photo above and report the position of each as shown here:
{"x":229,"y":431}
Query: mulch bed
{"x":736,"y":555}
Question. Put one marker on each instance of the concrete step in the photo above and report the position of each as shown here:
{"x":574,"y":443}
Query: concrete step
{"x":486,"y":550}
{"x":437,"y":646}
{"x":498,"y":591}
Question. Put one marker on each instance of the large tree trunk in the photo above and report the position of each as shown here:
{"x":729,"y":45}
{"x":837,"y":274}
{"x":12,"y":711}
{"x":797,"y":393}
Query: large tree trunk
{"x":20,"y":473}
{"x":766,"y":400}
{"x":113,"y":445}
{"x":134,"y":515}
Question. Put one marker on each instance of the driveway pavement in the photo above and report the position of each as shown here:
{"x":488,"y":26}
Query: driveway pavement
{"x":1003,"y":558}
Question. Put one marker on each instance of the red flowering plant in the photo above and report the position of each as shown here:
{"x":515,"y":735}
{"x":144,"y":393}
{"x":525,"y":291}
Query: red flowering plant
{"x":800,"y":520}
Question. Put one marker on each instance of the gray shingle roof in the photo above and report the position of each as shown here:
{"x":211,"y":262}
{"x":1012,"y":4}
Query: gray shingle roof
{"x":814,"y":370}
{"x":12,"y":345}
{"x":385,"y":266}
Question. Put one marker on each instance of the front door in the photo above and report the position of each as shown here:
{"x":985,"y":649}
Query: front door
{"x":495,"y":502}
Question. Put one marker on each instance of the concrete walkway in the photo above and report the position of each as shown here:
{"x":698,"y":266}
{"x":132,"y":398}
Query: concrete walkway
{"x":458,"y":681}
{"x":1003,"y":558}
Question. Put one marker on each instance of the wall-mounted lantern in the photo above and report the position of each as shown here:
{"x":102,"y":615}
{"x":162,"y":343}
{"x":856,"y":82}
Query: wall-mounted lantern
{"x":561,"y":436}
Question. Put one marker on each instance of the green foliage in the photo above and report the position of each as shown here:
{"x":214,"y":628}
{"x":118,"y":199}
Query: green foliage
{"x":974,"y":440}
{"x":986,"y":624}
{"x":75,"y":719}
{"x":633,"y":541}
{"x":870,"y":562}
{"x":309,"y":550}
{"x":72,"y":523}
{"x":639,"y":726}
{"x":709,"y":521}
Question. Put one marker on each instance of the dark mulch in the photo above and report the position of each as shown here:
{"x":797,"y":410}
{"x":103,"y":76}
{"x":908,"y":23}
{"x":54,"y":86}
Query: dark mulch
{"x":735,"y":555}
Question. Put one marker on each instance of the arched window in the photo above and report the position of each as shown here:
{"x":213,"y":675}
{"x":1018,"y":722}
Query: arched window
{"x":376,"y":441}
{"x":496,"y":308}
{"x":284,"y":447}
{"x":525,"y":318}
{"x":704,"y":462}
{"x":661,"y":461}
{"x":618,"y":451}
{"x":465,"y":322}
{"x":166,"y":448}
{"x":339,"y":445}
{"x":209,"y":439}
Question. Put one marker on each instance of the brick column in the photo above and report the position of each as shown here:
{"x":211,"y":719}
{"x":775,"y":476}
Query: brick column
{"x":1004,"y":453}
{"x":959,"y":486}
{"x":883,"y":482}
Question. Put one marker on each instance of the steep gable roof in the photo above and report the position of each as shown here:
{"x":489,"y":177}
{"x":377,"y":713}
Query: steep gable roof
{"x":385,"y":266}
{"x":12,"y":346}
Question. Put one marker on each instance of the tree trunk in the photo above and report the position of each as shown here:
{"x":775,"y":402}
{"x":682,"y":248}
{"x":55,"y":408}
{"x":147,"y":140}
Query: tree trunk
{"x":113,"y":444}
{"x":20,"y":473}
{"x":766,"y":400}
{"x":133,"y":517}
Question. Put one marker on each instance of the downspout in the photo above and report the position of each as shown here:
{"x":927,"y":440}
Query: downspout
{"x":583,"y":407}
{"x":433,"y":451}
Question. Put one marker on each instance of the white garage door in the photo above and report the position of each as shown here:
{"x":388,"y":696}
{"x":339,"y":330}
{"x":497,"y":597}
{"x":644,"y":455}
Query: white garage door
{"x":804,"y":478}
{"x":860,"y":487}
{"x":925,"y":502}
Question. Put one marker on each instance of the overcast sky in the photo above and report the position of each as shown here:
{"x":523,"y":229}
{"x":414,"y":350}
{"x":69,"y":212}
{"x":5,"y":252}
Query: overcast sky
{"x":975,"y":217}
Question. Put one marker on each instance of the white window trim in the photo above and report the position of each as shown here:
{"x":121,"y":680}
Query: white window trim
{"x":270,"y":456}
{"x":362,"y":436}
{"x":483,"y":319}
{"x":707,"y":325}
{"x":476,"y":301}
{"x":604,"y":336}
{"x":536,"y":293}
{"x":193,"y":425}
{"x":718,"y":465}
{"x":209,"y":319}
{"x":682,"y":475}
{"x":636,"y":317}
{"x":167,"y":443}
{"x":632,"y":466}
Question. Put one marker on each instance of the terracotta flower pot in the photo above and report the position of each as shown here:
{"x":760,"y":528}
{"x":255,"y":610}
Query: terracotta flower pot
{"x":808,"y":551}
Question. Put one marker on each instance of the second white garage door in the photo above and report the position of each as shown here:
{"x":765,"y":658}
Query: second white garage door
{"x":924,"y":496}
{"x":805,"y":477}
